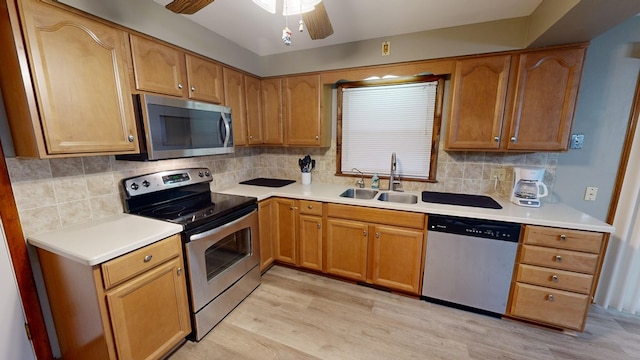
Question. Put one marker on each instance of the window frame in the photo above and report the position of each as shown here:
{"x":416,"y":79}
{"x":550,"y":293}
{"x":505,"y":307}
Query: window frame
{"x":437,"y":120}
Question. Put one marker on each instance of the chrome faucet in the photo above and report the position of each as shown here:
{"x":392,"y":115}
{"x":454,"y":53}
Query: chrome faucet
{"x":359,"y":183}
{"x":394,"y":184}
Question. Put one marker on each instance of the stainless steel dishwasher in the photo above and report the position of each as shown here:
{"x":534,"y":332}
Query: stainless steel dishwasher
{"x":469,"y":263}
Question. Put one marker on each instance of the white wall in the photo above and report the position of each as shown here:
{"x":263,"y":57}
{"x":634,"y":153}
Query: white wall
{"x":604,"y":104}
{"x":14,"y":344}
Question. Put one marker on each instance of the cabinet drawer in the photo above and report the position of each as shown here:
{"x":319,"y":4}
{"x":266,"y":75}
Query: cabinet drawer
{"x":563,"y":238}
{"x":559,"y":259}
{"x":310,"y":207}
{"x":557,"y":279}
{"x":139,"y":261}
{"x":555,"y":307}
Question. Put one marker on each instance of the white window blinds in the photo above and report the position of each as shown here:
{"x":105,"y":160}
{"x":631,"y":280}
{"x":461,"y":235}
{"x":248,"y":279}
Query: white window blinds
{"x":380,"y":120}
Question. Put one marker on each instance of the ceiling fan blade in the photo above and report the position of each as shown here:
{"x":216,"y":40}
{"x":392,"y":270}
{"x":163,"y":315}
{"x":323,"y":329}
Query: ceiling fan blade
{"x":187,"y":6}
{"x":318,"y":23}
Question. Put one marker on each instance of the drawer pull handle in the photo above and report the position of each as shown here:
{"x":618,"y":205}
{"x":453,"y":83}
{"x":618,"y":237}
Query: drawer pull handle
{"x":309,"y":206}
{"x":179,"y":272}
{"x":558,"y":258}
{"x":293,"y":208}
{"x":550,"y":297}
{"x":148,"y":258}
{"x":554,"y":278}
{"x":563,"y":237}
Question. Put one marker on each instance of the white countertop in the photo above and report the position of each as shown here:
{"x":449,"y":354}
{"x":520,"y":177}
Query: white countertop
{"x":548,"y":214}
{"x":105,"y":239}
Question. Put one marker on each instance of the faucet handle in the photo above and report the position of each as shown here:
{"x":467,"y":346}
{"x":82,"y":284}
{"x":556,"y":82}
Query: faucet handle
{"x":360,"y":183}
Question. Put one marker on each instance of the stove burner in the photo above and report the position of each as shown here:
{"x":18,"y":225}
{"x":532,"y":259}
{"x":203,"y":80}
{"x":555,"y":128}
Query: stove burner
{"x":168,"y":210}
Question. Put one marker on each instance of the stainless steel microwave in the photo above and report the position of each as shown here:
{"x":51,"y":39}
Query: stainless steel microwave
{"x":174,"y":128}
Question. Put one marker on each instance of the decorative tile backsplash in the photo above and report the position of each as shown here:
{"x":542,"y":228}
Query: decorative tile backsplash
{"x":53,"y":194}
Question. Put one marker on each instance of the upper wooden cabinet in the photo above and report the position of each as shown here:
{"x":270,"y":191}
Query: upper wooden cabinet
{"x":58,"y":102}
{"x":162,"y":69}
{"x":303,"y":115}
{"x":479,"y":92}
{"x":515,"y":102}
{"x":204,"y":79}
{"x":235,"y":98}
{"x":271,"y":100}
{"x":253,"y":92}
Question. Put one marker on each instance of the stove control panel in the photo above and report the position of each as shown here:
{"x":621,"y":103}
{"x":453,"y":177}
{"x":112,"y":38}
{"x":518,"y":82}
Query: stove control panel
{"x":148,"y":183}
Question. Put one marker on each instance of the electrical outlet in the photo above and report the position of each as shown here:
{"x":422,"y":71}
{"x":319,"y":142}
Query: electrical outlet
{"x":591,"y":193}
{"x":501,"y":174}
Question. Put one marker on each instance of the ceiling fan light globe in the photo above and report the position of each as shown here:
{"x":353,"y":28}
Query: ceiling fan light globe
{"x":267,"y":5}
{"x":296,"y":7}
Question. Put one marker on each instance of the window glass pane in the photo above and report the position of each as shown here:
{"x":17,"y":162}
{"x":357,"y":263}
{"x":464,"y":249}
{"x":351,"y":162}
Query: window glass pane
{"x":379,"y":120}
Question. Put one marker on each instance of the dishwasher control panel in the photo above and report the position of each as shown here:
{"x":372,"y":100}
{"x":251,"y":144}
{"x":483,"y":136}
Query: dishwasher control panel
{"x":489,"y":229}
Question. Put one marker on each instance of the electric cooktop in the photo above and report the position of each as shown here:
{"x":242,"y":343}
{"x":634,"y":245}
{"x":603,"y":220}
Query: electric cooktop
{"x":481,"y":201}
{"x":268,"y":182}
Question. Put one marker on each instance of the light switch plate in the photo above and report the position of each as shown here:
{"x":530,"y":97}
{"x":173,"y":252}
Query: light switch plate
{"x":576,"y":141}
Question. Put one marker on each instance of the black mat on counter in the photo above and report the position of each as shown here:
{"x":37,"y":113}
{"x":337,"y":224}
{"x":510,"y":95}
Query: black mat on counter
{"x":480,"y":201}
{"x":268,"y":182}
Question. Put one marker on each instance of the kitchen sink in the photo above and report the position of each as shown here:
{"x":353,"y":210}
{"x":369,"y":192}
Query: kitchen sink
{"x":398,"y":198}
{"x":365,"y":194}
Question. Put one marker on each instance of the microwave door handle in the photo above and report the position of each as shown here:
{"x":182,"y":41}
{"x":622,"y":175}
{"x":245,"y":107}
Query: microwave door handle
{"x":227,"y":129}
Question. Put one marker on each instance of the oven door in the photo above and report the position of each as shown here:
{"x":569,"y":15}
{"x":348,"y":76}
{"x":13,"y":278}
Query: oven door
{"x":219,"y":257}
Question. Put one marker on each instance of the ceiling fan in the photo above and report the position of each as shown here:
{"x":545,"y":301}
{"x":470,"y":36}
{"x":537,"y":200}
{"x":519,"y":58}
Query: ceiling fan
{"x":317,"y":21}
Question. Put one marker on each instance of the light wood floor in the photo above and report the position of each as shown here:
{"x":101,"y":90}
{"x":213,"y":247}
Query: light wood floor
{"x":295,"y":315}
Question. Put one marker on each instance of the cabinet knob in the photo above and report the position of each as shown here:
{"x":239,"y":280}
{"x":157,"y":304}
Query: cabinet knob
{"x":250,"y":137}
{"x":558,"y":258}
{"x":131,"y":138}
{"x":364,"y":233}
{"x":317,"y":137}
{"x":179,"y":272}
{"x":563,"y":237}
{"x":179,"y":85}
{"x":550,"y":297}
{"x":513,"y":139}
{"x":293,"y":208}
{"x":193,"y":88}
{"x":496,"y":139}
{"x":377,"y":235}
{"x":554,"y":278}
{"x":318,"y":225}
{"x":309,"y":206}
{"x":148,"y":258}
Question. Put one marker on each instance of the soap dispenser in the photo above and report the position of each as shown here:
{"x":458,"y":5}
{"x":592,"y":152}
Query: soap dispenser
{"x":375,"y":181}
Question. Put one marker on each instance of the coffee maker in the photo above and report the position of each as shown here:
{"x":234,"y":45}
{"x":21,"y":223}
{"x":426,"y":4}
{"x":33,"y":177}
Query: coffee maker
{"x":528,"y":187}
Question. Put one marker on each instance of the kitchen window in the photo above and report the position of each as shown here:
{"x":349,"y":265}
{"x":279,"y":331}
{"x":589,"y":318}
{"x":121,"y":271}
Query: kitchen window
{"x":379,"y":117}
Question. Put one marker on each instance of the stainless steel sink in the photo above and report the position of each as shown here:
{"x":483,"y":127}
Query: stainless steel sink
{"x":398,"y":198}
{"x":365,"y":194}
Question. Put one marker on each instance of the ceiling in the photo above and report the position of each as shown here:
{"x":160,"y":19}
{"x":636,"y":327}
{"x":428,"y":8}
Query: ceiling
{"x":247,"y":25}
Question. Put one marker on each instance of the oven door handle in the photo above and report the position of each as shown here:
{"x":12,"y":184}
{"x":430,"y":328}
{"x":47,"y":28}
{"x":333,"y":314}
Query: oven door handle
{"x":208,"y":233}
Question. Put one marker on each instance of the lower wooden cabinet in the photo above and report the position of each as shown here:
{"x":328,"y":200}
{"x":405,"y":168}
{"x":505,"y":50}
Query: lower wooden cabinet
{"x":346,"y":248}
{"x":555,"y":276}
{"x":126,"y":308}
{"x":266,"y":227}
{"x":310,"y":231}
{"x":377,"y":246}
{"x":285,"y":248}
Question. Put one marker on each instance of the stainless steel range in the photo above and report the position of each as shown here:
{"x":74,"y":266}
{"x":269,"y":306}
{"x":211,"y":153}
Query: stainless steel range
{"x":220,"y":238}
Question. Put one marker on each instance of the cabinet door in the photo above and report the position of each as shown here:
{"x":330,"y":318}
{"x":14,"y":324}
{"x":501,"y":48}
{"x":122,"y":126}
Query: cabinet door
{"x":271,"y":96}
{"x":397,"y":258}
{"x":266,"y":229}
{"x":254,"y":110}
{"x":205,"y":80}
{"x":85,"y":106}
{"x":158,"y":68}
{"x":302,"y":111}
{"x":544,"y":99}
{"x":150,"y":313}
{"x":478,"y":102}
{"x":234,"y":97}
{"x":310,"y":242}
{"x":346,"y":248}
{"x":285,"y":234}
